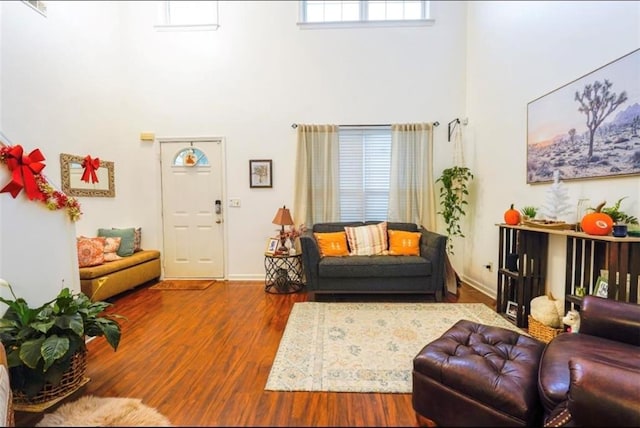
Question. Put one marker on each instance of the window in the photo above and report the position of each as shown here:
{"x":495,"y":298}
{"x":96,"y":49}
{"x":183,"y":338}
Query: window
{"x":37,"y":5}
{"x":191,"y":157}
{"x":187,"y":15}
{"x":395,"y":12}
{"x":365,"y":163}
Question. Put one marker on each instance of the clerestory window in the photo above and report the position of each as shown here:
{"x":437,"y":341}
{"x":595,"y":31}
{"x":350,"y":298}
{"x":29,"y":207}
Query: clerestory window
{"x":183,"y":15}
{"x":319,"y":13}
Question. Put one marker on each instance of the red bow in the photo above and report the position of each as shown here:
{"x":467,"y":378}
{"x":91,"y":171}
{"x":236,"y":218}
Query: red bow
{"x":90,"y":166}
{"x":24,"y":169}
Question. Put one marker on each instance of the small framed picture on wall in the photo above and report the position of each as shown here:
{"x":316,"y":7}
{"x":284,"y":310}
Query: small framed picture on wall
{"x":260,"y":173}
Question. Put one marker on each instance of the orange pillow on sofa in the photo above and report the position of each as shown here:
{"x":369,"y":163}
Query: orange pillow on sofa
{"x":332,"y":243}
{"x":90,"y":251}
{"x":403,"y":243}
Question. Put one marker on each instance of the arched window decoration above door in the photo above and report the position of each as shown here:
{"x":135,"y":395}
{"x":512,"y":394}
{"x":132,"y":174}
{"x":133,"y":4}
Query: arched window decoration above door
{"x":191,"y":156}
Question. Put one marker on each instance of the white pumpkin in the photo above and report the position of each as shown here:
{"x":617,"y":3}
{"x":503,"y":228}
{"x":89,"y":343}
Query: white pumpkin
{"x":547,"y":310}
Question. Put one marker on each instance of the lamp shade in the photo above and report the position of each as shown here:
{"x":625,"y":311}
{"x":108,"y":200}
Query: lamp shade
{"x":283,"y":217}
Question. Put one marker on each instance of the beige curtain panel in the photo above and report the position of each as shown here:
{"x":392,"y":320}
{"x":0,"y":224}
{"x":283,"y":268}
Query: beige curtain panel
{"x":316,"y":197}
{"x":412,"y":191}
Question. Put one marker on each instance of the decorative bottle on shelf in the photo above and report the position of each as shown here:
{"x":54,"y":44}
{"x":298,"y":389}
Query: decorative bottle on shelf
{"x":581,"y":210}
{"x":292,"y":247}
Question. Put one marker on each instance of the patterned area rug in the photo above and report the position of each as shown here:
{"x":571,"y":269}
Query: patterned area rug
{"x":363,"y":347}
{"x":183,"y":284}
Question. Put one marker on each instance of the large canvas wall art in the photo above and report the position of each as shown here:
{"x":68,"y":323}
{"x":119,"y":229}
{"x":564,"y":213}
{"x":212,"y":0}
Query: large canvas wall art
{"x":588,"y":128}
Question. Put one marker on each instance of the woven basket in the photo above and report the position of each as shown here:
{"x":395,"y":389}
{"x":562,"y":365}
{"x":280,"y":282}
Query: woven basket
{"x":542,"y":332}
{"x":71,"y":381}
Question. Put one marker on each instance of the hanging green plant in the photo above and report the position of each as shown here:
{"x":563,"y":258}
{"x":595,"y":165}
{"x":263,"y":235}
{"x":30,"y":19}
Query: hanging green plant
{"x":453,"y":194}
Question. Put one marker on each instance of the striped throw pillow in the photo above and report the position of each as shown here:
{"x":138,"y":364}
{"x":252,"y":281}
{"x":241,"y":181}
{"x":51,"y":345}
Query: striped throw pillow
{"x":368,"y":240}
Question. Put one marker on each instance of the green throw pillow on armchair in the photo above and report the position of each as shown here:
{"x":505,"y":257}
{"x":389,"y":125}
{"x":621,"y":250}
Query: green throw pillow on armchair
{"x":127,"y":242}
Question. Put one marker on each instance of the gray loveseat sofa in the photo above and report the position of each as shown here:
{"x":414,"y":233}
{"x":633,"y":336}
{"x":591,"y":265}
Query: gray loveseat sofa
{"x":423,"y":274}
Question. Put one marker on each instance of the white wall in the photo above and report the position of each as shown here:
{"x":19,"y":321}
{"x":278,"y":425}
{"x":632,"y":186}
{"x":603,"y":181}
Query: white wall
{"x":517,"y":52}
{"x":259,"y":73}
{"x":103,"y":75}
{"x":62,"y":89}
{"x":93,"y":75}
{"x":36,"y":241}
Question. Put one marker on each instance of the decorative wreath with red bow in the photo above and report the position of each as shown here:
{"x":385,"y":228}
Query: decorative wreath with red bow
{"x":26,"y":173}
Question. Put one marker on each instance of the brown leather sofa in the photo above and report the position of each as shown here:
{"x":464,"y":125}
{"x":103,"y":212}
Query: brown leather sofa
{"x":593,"y":377}
{"x":476,"y":375}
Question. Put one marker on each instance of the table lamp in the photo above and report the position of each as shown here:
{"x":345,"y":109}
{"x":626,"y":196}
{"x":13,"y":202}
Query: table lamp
{"x":283,"y":218}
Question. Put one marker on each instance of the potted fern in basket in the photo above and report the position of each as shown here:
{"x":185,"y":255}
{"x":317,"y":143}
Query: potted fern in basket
{"x":44,"y":343}
{"x":621,"y":220}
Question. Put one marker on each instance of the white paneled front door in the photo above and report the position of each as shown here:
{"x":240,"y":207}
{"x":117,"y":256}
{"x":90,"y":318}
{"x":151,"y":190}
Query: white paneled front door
{"x":192,"y":217}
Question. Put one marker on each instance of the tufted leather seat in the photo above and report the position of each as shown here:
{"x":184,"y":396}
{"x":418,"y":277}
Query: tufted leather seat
{"x":478,"y":373}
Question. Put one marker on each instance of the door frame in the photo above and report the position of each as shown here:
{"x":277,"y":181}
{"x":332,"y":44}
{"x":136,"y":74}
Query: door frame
{"x":225,"y":206}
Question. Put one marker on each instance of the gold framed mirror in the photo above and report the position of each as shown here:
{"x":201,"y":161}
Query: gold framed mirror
{"x":71,"y":170}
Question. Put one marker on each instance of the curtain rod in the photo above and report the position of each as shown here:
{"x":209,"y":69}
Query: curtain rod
{"x":295,"y":125}
{"x":455,"y":122}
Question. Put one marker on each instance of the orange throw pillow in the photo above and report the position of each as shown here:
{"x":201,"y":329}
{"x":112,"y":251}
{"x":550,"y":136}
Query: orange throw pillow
{"x":90,"y":251}
{"x":402,"y":243}
{"x":332,"y":243}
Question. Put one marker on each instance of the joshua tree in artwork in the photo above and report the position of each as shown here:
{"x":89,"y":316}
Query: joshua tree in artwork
{"x":635,"y":125}
{"x":597,"y":103}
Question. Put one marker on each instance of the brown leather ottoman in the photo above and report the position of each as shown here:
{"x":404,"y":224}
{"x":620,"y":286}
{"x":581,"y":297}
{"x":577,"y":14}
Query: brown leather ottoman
{"x":478,"y":375}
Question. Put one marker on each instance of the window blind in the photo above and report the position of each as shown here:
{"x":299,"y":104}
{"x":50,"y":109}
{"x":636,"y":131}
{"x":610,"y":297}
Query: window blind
{"x":365,"y":163}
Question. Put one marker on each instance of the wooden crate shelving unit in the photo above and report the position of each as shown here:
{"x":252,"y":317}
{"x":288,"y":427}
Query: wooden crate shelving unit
{"x":528,"y":280}
{"x":586,"y":256}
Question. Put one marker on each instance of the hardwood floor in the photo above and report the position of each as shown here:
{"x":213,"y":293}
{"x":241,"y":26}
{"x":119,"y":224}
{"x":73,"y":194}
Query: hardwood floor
{"x":202,"y":358}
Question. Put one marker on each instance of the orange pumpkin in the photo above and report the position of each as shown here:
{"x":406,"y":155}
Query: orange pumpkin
{"x":597,"y":223}
{"x":512,"y":216}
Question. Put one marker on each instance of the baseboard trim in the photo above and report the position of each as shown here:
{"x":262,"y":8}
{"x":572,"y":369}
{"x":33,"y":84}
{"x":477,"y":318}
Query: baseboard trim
{"x":246,"y":277}
{"x":484,"y":289}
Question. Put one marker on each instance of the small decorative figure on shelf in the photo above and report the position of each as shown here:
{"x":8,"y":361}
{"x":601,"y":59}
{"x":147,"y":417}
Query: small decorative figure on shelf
{"x":572,"y":319}
{"x":293,"y":235}
{"x":281,"y":281}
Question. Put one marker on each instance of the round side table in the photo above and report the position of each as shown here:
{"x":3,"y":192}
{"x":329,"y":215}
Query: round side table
{"x":284,"y":273}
